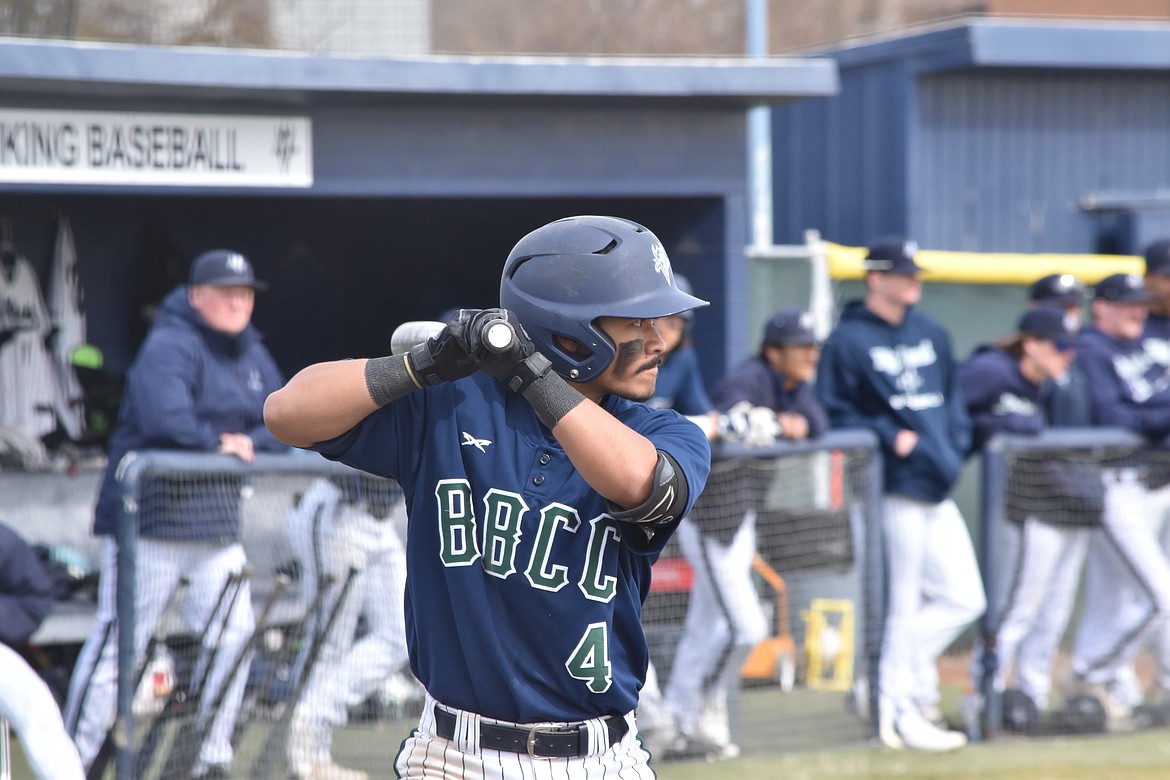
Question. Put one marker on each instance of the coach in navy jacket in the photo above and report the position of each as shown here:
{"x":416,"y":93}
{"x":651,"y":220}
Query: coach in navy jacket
{"x":189,"y":386}
{"x":199,"y":384}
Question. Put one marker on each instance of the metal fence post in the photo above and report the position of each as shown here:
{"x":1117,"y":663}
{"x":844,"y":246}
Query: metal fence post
{"x":130,"y":471}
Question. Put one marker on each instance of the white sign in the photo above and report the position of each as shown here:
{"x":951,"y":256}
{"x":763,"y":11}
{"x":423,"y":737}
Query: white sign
{"x":190,"y":150}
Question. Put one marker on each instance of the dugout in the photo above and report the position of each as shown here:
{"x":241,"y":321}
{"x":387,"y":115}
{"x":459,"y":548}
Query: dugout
{"x":370,"y":191}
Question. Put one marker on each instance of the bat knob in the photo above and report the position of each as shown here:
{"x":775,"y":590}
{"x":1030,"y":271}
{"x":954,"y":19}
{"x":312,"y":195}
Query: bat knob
{"x":498,"y":335}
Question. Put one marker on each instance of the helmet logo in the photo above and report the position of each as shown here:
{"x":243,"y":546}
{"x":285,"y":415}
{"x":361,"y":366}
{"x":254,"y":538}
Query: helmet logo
{"x":661,"y":261}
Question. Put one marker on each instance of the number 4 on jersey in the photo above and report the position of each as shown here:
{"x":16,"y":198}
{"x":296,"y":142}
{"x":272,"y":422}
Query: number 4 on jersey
{"x":590,"y":660}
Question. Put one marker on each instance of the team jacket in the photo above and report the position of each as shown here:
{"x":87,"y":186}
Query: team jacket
{"x":188,"y":385}
{"x":753,"y":380}
{"x":680,"y":384}
{"x":999,"y":398}
{"x":888,"y":377}
{"x":523,"y":595}
{"x":26,"y":592}
{"x":1129,"y":383}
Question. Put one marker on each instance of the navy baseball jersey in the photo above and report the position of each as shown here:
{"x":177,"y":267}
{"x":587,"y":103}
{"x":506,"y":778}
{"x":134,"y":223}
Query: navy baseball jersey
{"x":522,"y":590}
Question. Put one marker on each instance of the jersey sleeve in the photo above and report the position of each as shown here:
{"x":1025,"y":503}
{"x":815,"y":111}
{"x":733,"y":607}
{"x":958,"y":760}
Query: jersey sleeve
{"x":673,"y":434}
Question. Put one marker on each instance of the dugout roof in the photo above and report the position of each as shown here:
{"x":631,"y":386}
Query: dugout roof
{"x":424,"y":171}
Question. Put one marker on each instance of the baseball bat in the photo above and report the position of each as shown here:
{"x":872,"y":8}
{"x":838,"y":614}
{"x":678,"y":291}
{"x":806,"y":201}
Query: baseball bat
{"x":204,"y":722}
{"x":267,"y":760}
{"x":497,"y":334}
{"x":106,"y":751}
{"x":413,"y":332}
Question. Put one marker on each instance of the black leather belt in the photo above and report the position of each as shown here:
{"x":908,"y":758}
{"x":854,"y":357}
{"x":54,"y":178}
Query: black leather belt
{"x":539,"y":741}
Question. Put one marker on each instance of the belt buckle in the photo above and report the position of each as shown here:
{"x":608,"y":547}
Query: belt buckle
{"x":551,"y":731}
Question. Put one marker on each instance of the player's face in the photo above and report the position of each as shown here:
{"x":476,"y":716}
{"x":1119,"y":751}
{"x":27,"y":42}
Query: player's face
{"x":796,"y":363}
{"x":1159,"y":286}
{"x":225,"y":309}
{"x":634,"y":370}
{"x":1051,"y":361}
{"x":900,"y":289}
{"x":1120,"y":320}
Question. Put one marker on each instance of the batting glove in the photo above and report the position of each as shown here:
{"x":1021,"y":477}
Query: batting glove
{"x":753,"y":426}
{"x":444,"y":357}
{"x":500,"y":346}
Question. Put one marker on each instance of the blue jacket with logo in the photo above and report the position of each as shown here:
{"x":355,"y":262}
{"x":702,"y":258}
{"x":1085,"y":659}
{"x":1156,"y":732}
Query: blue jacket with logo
{"x":889,"y":377}
{"x":188,"y":385}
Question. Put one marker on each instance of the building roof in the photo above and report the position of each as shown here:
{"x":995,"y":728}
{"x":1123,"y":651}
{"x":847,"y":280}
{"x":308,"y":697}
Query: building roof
{"x":1019,"y":43}
{"x":75,"y":69}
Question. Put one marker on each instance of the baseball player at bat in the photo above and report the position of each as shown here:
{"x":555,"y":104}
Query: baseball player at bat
{"x":539,"y":488}
{"x":889,"y":368}
{"x":197,"y":384}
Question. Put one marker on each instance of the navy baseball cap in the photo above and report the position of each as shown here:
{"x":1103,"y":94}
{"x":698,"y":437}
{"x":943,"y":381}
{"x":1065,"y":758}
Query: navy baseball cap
{"x":789,"y":327}
{"x":892,"y":256}
{"x":224,"y":268}
{"x":1158,"y":258}
{"x":1047,"y":322}
{"x":1122,"y":288}
{"x":1063,"y":289}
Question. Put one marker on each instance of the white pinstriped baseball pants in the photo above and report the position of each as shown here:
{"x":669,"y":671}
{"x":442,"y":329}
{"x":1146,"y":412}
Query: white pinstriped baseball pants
{"x":92,"y":700}
{"x":1127,"y":579}
{"x":426,"y":755}
{"x":1037,"y":571}
{"x":935,"y":591}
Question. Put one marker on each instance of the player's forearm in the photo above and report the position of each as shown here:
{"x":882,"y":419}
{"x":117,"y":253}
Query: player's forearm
{"x":319,"y":403}
{"x":616,"y":461}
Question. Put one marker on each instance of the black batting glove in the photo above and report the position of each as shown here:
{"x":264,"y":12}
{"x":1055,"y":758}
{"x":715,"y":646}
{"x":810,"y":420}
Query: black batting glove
{"x":444,"y":357}
{"x":500,"y":346}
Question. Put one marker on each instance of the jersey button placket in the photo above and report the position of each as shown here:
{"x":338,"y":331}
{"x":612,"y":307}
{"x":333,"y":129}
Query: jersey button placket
{"x":538,"y":479}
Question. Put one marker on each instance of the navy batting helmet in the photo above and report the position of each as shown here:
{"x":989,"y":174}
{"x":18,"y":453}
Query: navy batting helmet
{"x":560,"y":278}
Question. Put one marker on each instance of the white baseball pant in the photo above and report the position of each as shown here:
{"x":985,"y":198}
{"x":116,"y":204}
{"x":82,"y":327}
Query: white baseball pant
{"x":92,"y":701}
{"x":329,"y":538}
{"x":1038,"y":569}
{"x":724,"y":621}
{"x":1127,"y":582}
{"x":935,"y":591}
{"x":424,"y":754}
{"x":28,"y":705}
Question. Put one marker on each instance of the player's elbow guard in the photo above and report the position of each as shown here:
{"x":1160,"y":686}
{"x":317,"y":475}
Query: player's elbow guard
{"x":667,"y":501}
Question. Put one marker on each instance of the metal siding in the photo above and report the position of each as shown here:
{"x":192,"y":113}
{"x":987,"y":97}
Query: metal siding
{"x":852,"y":148}
{"x":1003,"y":159}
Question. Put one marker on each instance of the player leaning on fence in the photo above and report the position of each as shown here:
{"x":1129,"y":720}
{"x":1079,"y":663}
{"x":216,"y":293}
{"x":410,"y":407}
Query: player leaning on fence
{"x":1127,"y":575}
{"x":889,"y":368}
{"x":539,"y":490}
{"x":1005,"y":385}
{"x":198,"y":384}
